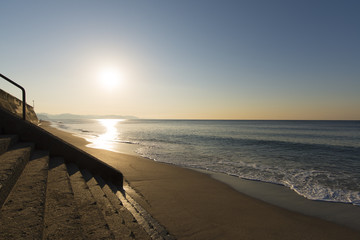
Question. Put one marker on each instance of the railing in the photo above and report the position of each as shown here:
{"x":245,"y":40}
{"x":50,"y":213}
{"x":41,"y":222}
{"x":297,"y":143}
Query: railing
{"x":23,"y":93}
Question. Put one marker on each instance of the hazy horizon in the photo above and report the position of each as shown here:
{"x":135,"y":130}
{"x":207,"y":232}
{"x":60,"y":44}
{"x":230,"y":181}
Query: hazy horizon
{"x":115,"y":116}
{"x":251,"y":60}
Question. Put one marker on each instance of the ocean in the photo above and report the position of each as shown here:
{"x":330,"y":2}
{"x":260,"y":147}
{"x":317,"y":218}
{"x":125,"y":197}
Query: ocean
{"x":319,"y":160}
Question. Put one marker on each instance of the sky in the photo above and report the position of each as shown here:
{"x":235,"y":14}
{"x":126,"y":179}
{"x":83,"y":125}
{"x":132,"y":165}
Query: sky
{"x":188,"y":59}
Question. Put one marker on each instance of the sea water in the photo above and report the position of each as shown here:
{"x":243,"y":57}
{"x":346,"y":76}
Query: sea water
{"x":319,"y":160}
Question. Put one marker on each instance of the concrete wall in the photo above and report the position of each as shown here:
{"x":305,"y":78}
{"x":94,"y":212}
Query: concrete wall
{"x":14,"y":105}
{"x":28,"y":132}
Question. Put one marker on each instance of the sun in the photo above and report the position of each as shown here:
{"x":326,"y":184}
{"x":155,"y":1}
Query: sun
{"x":110,"y":78}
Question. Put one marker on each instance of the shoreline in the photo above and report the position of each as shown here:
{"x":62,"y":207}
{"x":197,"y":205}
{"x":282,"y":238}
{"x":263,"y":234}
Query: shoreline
{"x":203,"y":205}
{"x":342,"y":213}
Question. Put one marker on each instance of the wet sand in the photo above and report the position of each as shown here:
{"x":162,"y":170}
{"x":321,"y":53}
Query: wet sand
{"x":193,"y":205}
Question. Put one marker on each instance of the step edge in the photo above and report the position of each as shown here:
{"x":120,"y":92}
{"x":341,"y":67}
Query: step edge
{"x":8,"y":184}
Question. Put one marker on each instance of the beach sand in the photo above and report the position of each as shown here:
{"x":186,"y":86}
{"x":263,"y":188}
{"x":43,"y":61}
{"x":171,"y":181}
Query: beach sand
{"x":192,"y":205}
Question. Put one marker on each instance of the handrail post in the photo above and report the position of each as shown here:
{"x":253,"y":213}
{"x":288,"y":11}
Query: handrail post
{"x":24,"y":103}
{"x":23,"y":93}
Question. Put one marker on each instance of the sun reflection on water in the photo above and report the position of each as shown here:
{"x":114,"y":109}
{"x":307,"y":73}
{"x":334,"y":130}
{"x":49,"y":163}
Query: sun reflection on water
{"x":107,"y":139}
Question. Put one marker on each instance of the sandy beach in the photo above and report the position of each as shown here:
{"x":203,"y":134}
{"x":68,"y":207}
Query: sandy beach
{"x":193,"y":205}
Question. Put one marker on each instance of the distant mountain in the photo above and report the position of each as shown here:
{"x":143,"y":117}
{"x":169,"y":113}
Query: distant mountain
{"x":46,"y":116}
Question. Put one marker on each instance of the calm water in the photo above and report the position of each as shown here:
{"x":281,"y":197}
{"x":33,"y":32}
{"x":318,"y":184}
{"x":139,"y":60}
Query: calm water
{"x":319,"y":160}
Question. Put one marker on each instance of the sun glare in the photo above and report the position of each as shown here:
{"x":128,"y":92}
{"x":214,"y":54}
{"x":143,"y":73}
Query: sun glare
{"x":110,"y":78}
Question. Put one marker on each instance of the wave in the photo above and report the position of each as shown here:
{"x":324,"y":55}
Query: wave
{"x":124,"y":141}
{"x":310,"y":181}
{"x":83,"y":130}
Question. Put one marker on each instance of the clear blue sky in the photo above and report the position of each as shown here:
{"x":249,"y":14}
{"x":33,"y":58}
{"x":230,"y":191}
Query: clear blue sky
{"x":256,"y":59}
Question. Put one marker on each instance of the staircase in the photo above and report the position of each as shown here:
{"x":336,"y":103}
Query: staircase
{"x":75,"y":196}
{"x":43,"y":197}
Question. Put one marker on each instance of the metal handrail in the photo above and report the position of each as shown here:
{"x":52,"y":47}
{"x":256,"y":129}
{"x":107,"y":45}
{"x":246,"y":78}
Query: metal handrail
{"x":23,"y":93}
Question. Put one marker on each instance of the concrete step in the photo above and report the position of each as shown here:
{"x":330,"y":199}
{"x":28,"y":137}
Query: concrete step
{"x":12,"y":163}
{"x":22,"y":214}
{"x":93,"y":223}
{"x":112,"y":216}
{"x":6,"y":141}
{"x":154,"y":229}
{"x":130,"y":222}
{"x":62,"y":219}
